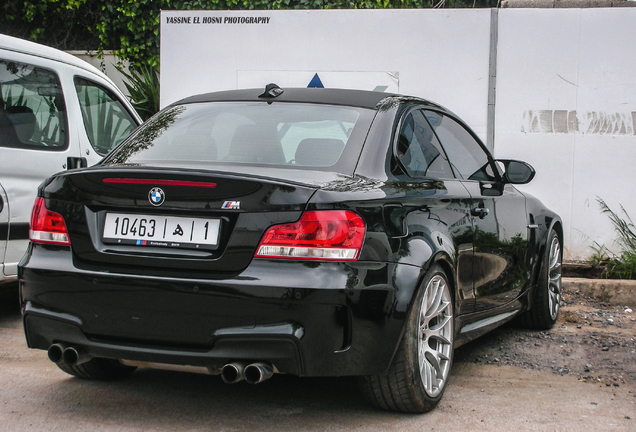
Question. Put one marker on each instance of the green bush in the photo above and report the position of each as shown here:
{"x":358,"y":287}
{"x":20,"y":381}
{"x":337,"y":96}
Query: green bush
{"x":621,"y":266}
{"x":142,"y":83}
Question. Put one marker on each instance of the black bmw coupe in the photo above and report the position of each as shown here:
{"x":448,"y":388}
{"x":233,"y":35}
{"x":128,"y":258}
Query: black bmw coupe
{"x":314,"y":232}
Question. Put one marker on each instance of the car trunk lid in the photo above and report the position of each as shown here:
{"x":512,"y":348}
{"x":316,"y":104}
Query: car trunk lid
{"x":199,"y":221}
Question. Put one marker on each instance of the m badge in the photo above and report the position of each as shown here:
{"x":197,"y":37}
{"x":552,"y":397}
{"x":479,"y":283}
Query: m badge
{"x":231,"y":205}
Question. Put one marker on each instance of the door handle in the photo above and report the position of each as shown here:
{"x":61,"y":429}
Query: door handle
{"x":480,"y":212}
{"x":76,"y":162}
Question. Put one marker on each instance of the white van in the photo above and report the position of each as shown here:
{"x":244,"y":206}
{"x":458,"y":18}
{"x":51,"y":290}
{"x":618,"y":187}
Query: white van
{"x":57,"y":112}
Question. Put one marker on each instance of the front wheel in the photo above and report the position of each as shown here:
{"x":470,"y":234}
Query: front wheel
{"x":547,"y":295}
{"x":419,"y":373}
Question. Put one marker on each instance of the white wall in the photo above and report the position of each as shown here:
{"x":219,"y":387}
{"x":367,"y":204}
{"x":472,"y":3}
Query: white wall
{"x":565,"y":82}
{"x":107,"y":64}
{"x":566,"y":103}
{"x":415,"y":50}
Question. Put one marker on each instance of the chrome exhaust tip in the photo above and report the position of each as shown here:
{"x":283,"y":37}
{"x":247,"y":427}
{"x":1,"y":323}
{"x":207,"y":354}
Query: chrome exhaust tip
{"x":56,"y":352}
{"x":75,"y":356}
{"x":232,"y":373}
{"x":256,"y":373}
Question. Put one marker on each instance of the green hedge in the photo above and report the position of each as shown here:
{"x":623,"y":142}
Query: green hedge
{"x":131,"y":27}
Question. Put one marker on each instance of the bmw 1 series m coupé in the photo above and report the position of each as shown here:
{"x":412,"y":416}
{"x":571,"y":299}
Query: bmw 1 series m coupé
{"x":314,"y":232}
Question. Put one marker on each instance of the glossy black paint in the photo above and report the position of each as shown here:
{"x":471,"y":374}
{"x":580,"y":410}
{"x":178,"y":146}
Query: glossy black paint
{"x":309,"y":318}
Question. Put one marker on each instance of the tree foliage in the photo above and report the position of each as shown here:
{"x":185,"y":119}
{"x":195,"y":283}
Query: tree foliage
{"x":131,"y":27}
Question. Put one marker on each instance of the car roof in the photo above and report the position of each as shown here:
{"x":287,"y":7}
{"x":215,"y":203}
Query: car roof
{"x":22,"y":46}
{"x":330,"y":96}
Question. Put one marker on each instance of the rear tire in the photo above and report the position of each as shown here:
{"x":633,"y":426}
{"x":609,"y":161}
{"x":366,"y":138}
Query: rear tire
{"x":545,"y":305}
{"x":101,"y":369}
{"x":418,"y":376}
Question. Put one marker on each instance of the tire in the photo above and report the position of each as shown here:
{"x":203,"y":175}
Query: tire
{"x":545,"y":305}
{"x":419,"y":373}
{"x":101,"y":369}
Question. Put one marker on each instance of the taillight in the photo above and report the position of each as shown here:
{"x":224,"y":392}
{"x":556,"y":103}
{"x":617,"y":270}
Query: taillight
{"x":318,"y":235}
{"x":47,"y":226}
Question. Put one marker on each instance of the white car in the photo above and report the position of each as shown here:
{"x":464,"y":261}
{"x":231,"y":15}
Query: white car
{"x":57,"y":112}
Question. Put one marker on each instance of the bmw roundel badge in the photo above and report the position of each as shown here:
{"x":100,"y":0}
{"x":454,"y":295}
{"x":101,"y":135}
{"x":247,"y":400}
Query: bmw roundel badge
{"x":156,"y":196}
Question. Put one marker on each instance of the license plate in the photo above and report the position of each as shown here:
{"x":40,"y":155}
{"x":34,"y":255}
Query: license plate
{"x":161,"y":231}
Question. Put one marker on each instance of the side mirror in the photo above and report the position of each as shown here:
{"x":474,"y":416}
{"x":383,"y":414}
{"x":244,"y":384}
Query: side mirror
{"x":517,"y":172}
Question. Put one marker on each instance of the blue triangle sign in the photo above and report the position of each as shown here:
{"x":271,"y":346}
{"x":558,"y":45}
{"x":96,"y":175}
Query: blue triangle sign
{"x":315,"y":82}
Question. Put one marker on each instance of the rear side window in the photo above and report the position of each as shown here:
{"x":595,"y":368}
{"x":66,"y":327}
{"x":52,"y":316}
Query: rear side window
{"x":106,"y":121}
{"x":282,"y":134}
{"x":32,"y":111}
{"x":467,"y":157}
{"x":418,"y":149}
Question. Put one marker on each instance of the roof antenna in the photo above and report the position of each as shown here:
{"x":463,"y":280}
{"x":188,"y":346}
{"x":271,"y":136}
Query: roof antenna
{"x":271,"y":91}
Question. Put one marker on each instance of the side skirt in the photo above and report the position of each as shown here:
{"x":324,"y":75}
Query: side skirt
{"x":471,"y":326}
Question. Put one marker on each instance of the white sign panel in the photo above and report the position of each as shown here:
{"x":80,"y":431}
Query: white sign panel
{"x":376,"y":81}
{"x":441,"y":55}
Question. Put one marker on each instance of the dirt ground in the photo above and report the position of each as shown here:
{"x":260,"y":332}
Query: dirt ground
{"x":592,"y":341}
{"x":579,"y":376}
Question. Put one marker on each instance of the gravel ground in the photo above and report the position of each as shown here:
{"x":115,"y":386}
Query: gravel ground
{"x":591,"y":340}
{"x":579,"y":376}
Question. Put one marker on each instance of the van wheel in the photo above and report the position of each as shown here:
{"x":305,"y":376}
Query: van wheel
{"x":419,"y":373}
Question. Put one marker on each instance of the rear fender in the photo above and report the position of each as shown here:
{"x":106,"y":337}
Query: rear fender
{"x":440,"y":258}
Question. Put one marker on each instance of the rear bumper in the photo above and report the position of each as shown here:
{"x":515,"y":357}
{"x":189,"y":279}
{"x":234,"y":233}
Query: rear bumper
{"x":43,"y":329}
{"x":317,"y":319}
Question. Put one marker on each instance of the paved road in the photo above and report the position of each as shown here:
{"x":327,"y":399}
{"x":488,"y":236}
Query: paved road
{"x":36,"y":396}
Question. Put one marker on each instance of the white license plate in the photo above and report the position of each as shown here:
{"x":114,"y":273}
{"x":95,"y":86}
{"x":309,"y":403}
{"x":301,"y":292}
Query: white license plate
{"x":161,"y":231}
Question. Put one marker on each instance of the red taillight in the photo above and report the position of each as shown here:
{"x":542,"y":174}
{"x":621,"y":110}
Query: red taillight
{"x":47,"y":226}
{"x":318,"y":235}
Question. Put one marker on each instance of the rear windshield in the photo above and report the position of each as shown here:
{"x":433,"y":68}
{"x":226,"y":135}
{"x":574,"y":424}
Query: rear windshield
{"x":254,"y":133}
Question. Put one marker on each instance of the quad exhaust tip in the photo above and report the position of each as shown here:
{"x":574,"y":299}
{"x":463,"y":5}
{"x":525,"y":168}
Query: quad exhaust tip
{"x":68,"y":355}
{"x":75,"y":356}
{"x":254,"y":373}
{"x":232,"y":373}
{"x":56,"y":352}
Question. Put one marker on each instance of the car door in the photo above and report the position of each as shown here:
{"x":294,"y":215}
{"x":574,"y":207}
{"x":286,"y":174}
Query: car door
{"x":4,"y":226}
{"x":106,"y":121}
{"x":437,"y":205}
{"x":34,"y":142}
{"x":498,"y":213}
{"x":53,"y":117}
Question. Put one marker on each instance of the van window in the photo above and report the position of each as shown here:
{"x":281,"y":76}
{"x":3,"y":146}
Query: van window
{"x":106,"y":121}
{"x":32,"y":112}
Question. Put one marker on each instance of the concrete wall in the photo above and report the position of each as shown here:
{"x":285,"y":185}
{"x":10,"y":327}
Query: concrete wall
{"x":566,"y":103}
{"x":106,"y":64}
{"x":555,"y":87}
